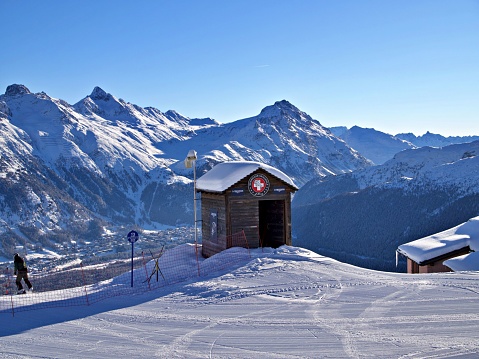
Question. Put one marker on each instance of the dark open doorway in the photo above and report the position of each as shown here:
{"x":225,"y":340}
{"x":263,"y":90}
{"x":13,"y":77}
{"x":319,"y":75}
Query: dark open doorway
{"x":271,"y":223}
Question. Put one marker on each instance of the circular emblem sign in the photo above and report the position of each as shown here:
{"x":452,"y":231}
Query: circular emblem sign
{"x":132,"y":236}
{"x":258,"y":185}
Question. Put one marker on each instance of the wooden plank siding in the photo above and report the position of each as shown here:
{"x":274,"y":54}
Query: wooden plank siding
{"x":435,"y":265}
{"x":211,"y":202}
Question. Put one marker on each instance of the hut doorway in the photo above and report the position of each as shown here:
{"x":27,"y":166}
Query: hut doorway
{"x":272,"y":223}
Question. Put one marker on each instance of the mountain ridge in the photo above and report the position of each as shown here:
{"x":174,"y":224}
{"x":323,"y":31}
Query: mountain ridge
{"x":72,"y":171}
{"x":379,"y":147}
{"x":115,"y":163}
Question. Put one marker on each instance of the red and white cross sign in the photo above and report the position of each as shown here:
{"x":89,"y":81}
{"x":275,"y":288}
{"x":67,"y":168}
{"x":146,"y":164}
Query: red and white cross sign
{"x":258,"y":185}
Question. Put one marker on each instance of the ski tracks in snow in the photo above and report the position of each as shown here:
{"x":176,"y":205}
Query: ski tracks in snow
{"x":277,"y":308}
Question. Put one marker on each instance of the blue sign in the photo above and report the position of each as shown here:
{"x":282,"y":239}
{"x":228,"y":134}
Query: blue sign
{"x":132,"y":236}
{"x":237,"y":191}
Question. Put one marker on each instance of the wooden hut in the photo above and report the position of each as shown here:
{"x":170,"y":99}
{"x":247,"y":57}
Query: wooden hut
{"x":245,"y":196}
{"x":435,"y":265}
{"x":452,"y":249}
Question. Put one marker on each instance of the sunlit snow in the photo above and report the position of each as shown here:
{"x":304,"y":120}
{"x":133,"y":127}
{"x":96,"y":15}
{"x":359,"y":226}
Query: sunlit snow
{"x":283,"y":303}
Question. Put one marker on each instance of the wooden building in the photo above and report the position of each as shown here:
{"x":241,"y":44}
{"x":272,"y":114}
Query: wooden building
{"x":245,"y":196}
{"x":436,"y":264}
{"x":449,"y":250}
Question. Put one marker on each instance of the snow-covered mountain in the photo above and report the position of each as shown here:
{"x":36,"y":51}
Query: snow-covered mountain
{"x":375,"y":145}
{"x":67,"y":170}
{"x":281,"y":136}
{"x":362,"y":217}
{"x":380,"y":147}
{"x":434,"y":140}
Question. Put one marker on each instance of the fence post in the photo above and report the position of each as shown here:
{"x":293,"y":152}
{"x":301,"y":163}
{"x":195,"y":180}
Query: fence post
{"x":260,"y":241}
{"x":84,"y":284}
{"x":146,"y":271}
{"x":13,"y":308}
{"x":246,"y":241}
{"x":7,"y":285}
{"x":197,"y":260}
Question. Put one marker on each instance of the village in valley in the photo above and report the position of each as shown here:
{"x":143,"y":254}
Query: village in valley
{"x":113,"y":245}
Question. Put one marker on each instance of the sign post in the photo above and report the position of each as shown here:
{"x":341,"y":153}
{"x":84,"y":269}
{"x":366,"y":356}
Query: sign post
{"x":132,"y":238}
{"x":190,"y":161}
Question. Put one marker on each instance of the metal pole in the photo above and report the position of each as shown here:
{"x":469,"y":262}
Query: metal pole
{"x":194,"y":211}
{"x":132,"y":264}
{"x":194,"y":197}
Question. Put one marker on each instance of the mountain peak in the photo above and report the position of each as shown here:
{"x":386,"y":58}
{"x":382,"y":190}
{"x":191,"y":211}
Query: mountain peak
{"x":284,"y":104}
{"x":280,"y":108}
{"x":16,"y":89}
{"x":174,"y":115}
{"x":99,"y":94}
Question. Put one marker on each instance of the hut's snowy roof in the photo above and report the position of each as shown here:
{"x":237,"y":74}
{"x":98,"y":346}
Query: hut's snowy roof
{"x":467,"y":262}
{"x":226,"y":174}
{"x":436,"y":245}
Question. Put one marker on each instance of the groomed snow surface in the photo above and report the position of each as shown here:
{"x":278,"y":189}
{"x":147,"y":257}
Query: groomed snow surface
{"x":283,"y":303}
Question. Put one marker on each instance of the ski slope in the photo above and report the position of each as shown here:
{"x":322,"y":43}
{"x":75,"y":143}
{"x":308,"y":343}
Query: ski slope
{"x":283,"y":303}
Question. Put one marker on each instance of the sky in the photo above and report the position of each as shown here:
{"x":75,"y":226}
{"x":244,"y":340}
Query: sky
{"x":396,"y":66}
{"x":282,"y":303}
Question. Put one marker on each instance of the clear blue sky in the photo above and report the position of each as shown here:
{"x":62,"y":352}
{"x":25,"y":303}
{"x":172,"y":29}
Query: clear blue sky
{"x":397,"y":66}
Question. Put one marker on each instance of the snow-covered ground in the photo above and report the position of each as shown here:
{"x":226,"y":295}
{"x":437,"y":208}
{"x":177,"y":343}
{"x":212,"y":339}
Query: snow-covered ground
{"x":284,"y":303}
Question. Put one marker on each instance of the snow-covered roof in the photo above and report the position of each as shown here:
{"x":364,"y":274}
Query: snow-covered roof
{"x":226,"y":174}
{"x":466,"y":262}
{"x":442,"y":243}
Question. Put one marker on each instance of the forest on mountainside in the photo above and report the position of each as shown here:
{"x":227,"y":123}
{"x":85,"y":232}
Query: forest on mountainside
{"x":365,"y":228}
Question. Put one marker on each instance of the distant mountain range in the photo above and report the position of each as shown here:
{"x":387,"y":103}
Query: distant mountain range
{"x":68,"y":171}
{"x":380,"y":147}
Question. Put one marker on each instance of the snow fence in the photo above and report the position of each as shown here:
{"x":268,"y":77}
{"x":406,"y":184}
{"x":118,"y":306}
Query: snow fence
{"x":78,"y":283}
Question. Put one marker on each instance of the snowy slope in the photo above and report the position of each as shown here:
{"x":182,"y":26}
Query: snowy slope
{"x":455,"y":166}
{"x":281,"y":136}
{"x":29,"y":190}
{"x":435,"y":140}
{"x":377,"y":146}
{"x":286,"y":303}
{"x":79,"y":169}
{"x":380,"y":147}
{"x":147,"y":122}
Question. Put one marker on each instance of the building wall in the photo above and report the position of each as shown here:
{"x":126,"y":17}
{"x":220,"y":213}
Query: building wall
{"x":412,"y":267}
{"x":213,"y":202}
{"x":434,"y":268}
{"x":243,"y":215}
{"x":437,"y":267}
{"x":243,"y":210}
